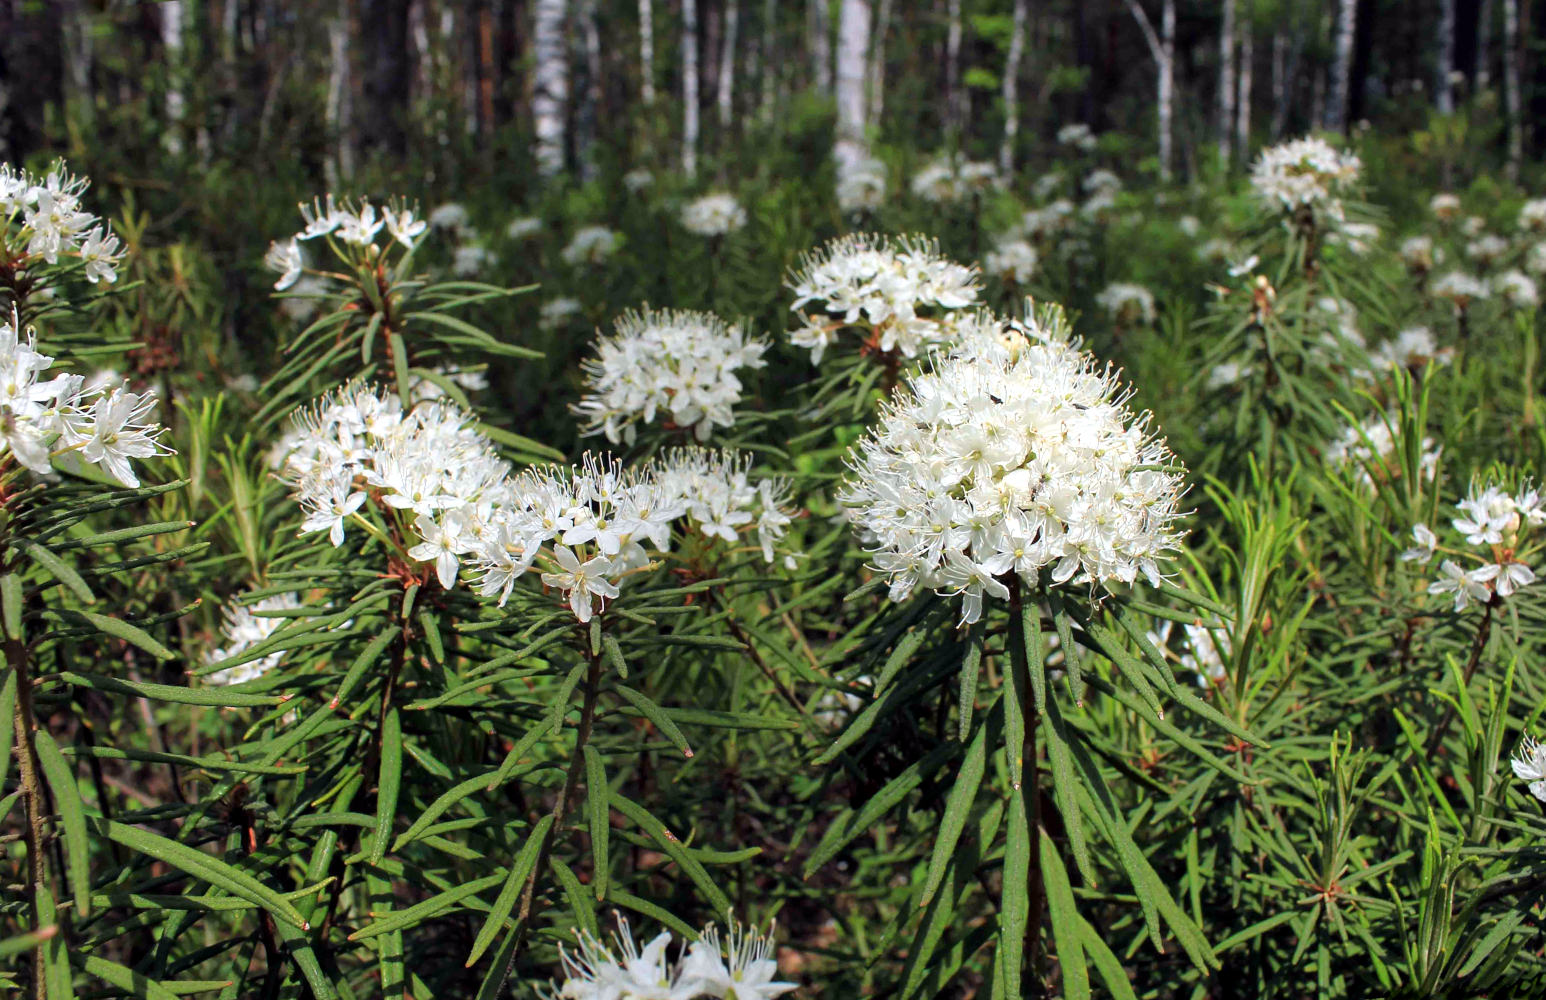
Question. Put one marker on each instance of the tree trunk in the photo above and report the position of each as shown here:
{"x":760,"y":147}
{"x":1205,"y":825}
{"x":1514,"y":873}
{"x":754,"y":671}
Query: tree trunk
{"x":172,"y":46}
{"x":1243,"y":106}
{"x":725,"y":94}
{"x":550,"y":84}
{"x":1006,"y":150}
{"x":821,"y":43}
{"x":646,"y":53}
{"x":853,"y":41}
{"x":386,"y":76}
{"x":1443,"y":87}
{"x":1514,"y":113}
{"x":955,"y":114}
{"x":690,"y":87}
{"x":31,"y":75}
{"x":1484,"y":46}
{"x":770,"y":61}
{"x":1226,"y":82}
{"x":1162,"y":48}
{"x":339,"y":166}
{"x":589,"y":91}
{"x":1342,"y":67}
{"x":877,"y":71}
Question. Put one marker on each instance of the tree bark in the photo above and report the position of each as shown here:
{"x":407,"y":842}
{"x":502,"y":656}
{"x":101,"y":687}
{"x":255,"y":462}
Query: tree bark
{"x":1162,"y":48}
{"x":724,"y":95}
{"x":589,"y":91}
{"x":853,"y":41}
{"x":1443,"y":88}
{"x":1226,"y":82}
{"x":877,"y":70}
{"x":1006,"y":150}
{"x":386,"y":76}
{"x":339,"y":166}
{"x":647,"y":53}
{"x":550,"y":85}
{"x":690,"y":87}
{"x":1484,"y":46}
{"x":1512,"y":92}
{"x":172,"y":45}
{"x":955,"y":99}
{"x":769,"y":96}
{"x":1342,"y":66}
{"x":1243,"y":109}
{"x":820,"y":25}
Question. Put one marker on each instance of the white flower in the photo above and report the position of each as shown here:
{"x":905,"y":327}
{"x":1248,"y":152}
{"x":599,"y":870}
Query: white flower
{"x":1511,"y":576}
{"x":715,"y":214}
{"x":1529,"y":764}
{"x":1444,"y":206}
{"x":590,"y":245}
{"x":1535,"y":259}
{"x":1306,"y":172}
{"x":44,"y":218}
{"x":951,"y":179}
{"x":637,"y":180}
{"x":1488,"y":514}
{"x":1532,"y":215}
{"x":1370,"y":449}
{"x":523,"y":227}
{"x":1516,"y":289}
{"x":284,"y":256}
{"x":580,"y":580}
{"x":714,"y":491}
{"x":403,"y":227}
{"x":444,"y":540}
{"x":1466,"y":587}
{"x":470,"y":260}
{"x":1000,"y":461}
{"x":100,"y":251}
{"x":1127,"y":304}
{"x":452,"y":215}
{"x":1486,"y":249}
{"x":895,"y":293}
{"x":1418,"y":253}
{"x":1077,"y":135}
{"x":1012,"y":260}
{"x":1459,"y":288}
{"x":556,"y":313}
{"x":1427,"y":544}
{"x":243,"y":628}
{"x":861,"y":184}
{"x":595,"y":973}
{"x":678,"y":365}
{"x":748,"y":974}
{"x":1411,"y":348}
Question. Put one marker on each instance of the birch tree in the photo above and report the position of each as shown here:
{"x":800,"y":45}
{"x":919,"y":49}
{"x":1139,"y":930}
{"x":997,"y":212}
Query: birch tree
{"x":1342,"y":66}
{"x":1162,"y":48}
{"x":590,"y":94}
{"x":550,"y":84}
{"x":339,"y":107}
{"x":725,"y":96}
{"x":820,"y":25}
{"x":1484,"y":46}
{"x":853,"y":41}
{"x":1226,"y":82}
{"x":767,"y":98}
{"x":1243,"y":111}
{"x":1443,"y":85}
{"x":172,"y":42}
{"x":1512,"y":91}
{"x":690,"y":87}
{"x":877,"y":71}
{"x":647,"y":53}
{"x":955,"y":99}
{"x":1006,"y":150}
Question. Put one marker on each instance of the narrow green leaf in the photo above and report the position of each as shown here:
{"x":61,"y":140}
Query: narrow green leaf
{"x":657,"y":831}
{"x":134,"y":983}
{"x":596,"y":789}
{"x":519,"y":872}
{"x":654,"y":713}
{"x":391,"y":779}
{"x":58,"y":568}
{"x":1065,"y":920}
{"x":72,"y":813}
{"x":958,"y":806}
{"x":11,"y":604}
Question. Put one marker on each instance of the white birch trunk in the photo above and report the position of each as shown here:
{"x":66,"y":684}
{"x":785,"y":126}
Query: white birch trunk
{"x":821,"y":43}
{"x":172,"y":41}
{"x":1243,"y":110}
{"x":853,"y":42}
{"x":1512,"y":92}
{"x":1443,"y":87}
{"x":1342,"y":66}
{"x":550,"y":84}
{"x":340,"y":166}
{"x":1162,"y":49}
{"x":1006,"y":149}
{"x":955,"y":115}
{"x":690,"y":87}
{"x":590,"y":98}
{"x":768,"y":97}
{"x":726,"y":94}
{"x":647,"y":52}
{"x":1226,"y":82}
{"x":877,"y":69}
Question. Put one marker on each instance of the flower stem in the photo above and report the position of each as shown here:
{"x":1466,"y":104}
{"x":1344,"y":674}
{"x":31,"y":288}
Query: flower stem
{"x":1031,"y":787}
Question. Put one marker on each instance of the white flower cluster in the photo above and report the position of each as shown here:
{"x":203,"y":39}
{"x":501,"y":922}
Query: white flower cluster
{"x":1529,"y":764}
{"x":1040,"y":223}
{"x":741,"y":967}
{"x":1079,"y":136}
{"x":716,"y":214}
{"x":1127,"y":304}
{"x":1012,"y":260}
{"x":43,"y":218}
{"x":1516,"y":289}
{"x":900,"y":291}
{"x":1411,"y":348}
{"x":950,"y":179}
{"x":62,"y":422}
{"x":590,"y":245}
{"x":244,"y":627}
{"x":1419,"y":253}
{"x":1444,"y":206}
{"x":450,"y":216}
{"x":472,"y":259}
{"x":666,"y":362}
{"x":1012,"y":461}
{"x":523,"y":227}
{"x":556,"y":313}
{"x":1486,"y":249}
{"x":1535,"y":259}
{"x":1532,"y":216}
{"x":1306,"y":172}
{"x":351,"y":223}
{"x":444,"y":499}
{"x":861,"y":184}
{"x":1370,"y":449}
{"x":1501,"y":530}
{"x":1200,"y":652}
{"x":1459,"y":288}
{"x":637,"y":180}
